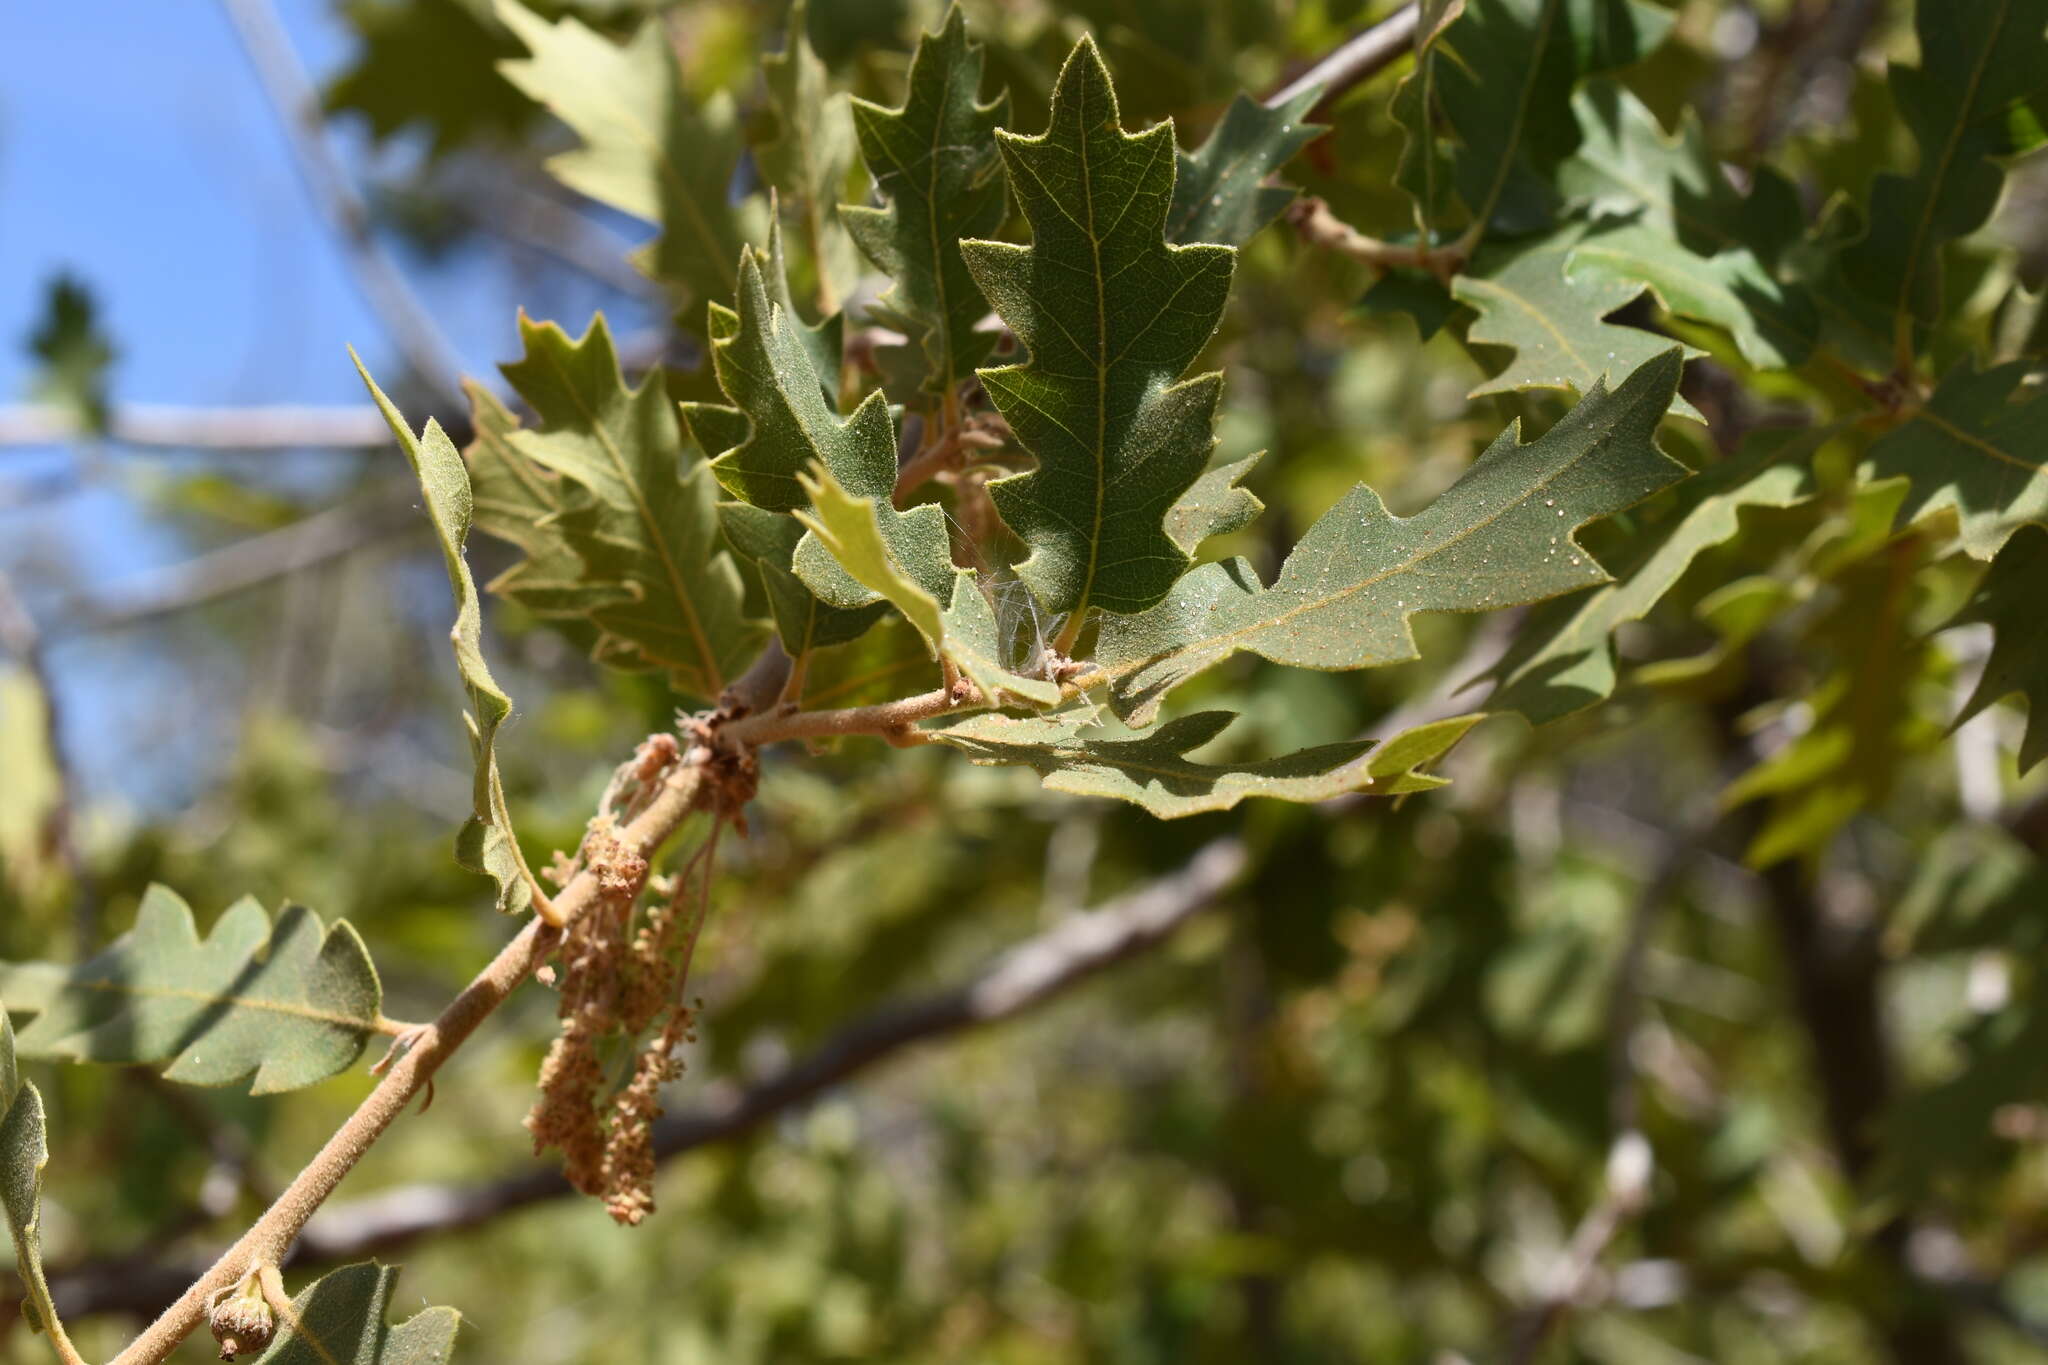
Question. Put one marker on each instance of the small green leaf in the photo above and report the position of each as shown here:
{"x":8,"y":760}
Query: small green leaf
{"x":811,"y":151}
{"x":780,"y":422}
{"x":1503,"y":76}
{"x":1214,"y":506}
{"x":72,"y":354}
{"x":846,"y":527}
{"x":1563,"y":659}
{"x":24,"y":1152}
{"x":935,"y":167}
{"x":1979,"y":95}
{"x":1975,"y":446}
{"x":642,"y":515}
{"x":486,"y":842}
{"x":1554,"y":321}
{"x":1425,"y":166}
{"x":824,"y":343}
{"x":2009,"y":600}
{"x":1112,"y":315}
{"x":1503,"y":535}
{"x":1152,"y":769}
{"x":647,"y":149}
{"x":767,"y":542}
{"x":1219,"y":190}
{"x":521,"y":503}
{"x":287,"y":1006}
{"x":430,"y":65}
{"x":343,"y":1319}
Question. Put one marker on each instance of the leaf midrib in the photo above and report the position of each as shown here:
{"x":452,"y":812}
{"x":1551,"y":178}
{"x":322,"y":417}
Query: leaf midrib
{"x":713,"y":674}
{"x":146,"y":990}
{"x":1231,"y":638}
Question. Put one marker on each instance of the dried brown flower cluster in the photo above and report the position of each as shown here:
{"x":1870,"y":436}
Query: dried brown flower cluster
{"x":622,"y":974}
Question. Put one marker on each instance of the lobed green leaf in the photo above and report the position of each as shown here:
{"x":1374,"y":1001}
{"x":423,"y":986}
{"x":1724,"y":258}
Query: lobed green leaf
{"x":934,"y":162}
{"x":1111,"y":315}
{"x":1072,"y":752}
{"x":1503,"y":535}
{"x":343,"y":1319}
{"x":648,"y":149}
{"x":486,"y":842}
{"x":2007,"y":600}
{"x":284,"y":1007}
{"x":24,"y":1153}
{"x":635,"y":505}
{"x":1220,"y":192}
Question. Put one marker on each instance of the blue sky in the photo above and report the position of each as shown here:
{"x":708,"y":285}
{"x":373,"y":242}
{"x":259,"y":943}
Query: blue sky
{"x":138,"y":152}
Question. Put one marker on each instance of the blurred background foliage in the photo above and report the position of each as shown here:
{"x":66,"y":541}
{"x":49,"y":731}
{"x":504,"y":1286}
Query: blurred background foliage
{"x":1357,"y":1110}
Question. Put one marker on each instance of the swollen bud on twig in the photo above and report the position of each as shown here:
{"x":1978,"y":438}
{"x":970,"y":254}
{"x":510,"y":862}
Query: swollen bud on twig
{"x":241,"y":1318}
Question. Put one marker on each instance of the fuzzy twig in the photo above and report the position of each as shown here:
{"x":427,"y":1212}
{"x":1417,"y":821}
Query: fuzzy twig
{"x":272,"y":1235}
{"x":1359,"y":58}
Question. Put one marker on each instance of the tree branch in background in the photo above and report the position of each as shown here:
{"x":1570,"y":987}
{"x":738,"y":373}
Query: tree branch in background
{"x":1362,"y":56}
{"x":311,"y":541}
{"x":1072,"y":952}
{"x":267,"y":428}
{"x":413,"y":330}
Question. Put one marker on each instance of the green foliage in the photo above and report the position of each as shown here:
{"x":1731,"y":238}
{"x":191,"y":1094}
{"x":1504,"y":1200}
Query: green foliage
{"x":342,"y":1319}
{"x":2006,"y":600}
{"x":1979,"y":95}
{"x":1665,"y":216}
{"x":1152,"y":770}
{"x":850,"y":532}
{"x":812,"y":150}
{"x":24,"y":1152}
{"x":1502,"y":75}
{"x":72,"y":353}
{"x":934,"y":166}
{"x":1220,"y":192}
{"x":430,"y":64}
{"x":1975,"y":448}
{"x":1358,"y":1108}
{"x":1527,"y":297}
{"x":1504,"y":534}
{"x":486,"y":843}
{"x":282,"y":1006}
{"x":649,"y":149}
{"x":1563,"y":660}
{"x":1112,"y":316}
{"x":633,"y":504}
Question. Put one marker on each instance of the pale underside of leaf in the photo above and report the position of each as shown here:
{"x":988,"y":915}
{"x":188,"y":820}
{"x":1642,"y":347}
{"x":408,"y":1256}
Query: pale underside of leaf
{"x":284,"y":1006}
{"x":1215,"y":505}
{"x":1073,"y":754}
{"x":642,"y":516}
{"x":24,"y":1153}
{"x":963,"y":629}
{"x":343,"y":1319}
{"x":1554,"y":323}
{"x":485,"y":843}
{"x":647,"y":150}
